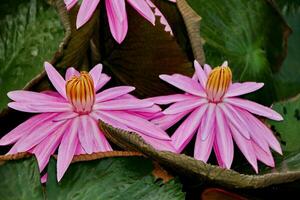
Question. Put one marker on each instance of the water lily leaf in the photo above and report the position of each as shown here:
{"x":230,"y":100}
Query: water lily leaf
{"x":20,"y":179}
{"x":219,"y":194}
{"x":30,"y":33}
{"x":111,"y":178}
{"x":287,"y":80}
{"x":195,"y":169}
{"x":146,"y":52}
{"x":251,"y":35}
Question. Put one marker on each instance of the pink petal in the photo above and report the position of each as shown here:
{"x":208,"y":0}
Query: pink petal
{"x":207,"y":69}
{"x":159,"y":144}
{"x":37,"y":135}
{"x":224,"y":139}
{"x":138,"y":124}
{"x":47,"y":147}
{"x":44,"y":178}
{"x":245,"y":146}
{"x":113,"y":93}
{"x":183,"y":106}
{"x":163,"y":100}
{"x":103,"y":80}
{"x":85,"y":134}
{"x":143,"y":9}
{"x":122,"y":104}
{"x":65,"y":116}
{"x":117,"y":18}
{"x":37,"y":107}
{"x":235,"y":120}
{"x":25,"y":128}
{"x":237,"y":89}
{"x":203,"y":148}
{"x":71,"y":72}
{"x":28,"y":96}
{"x":254,"y":108}
{"x":184,"y":83}
{"x":79,"y":150}
{"x":166,"y":121}
{"x":186,"y":130}
{"x":96,"y":74}
{"x":100,"y":142}
{"x":56,"y":79}
{"x":86,"y":11}
{"x":67,"y":149}
{"x":264,"y":156}
{"x":201,"y":74}
{"x":266,"y":133}
{"x":207,"y":125}
{"x":70,"y":3}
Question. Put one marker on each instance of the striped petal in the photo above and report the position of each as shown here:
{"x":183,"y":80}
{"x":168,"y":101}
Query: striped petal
{"x":113,"y":93}
{"x":237,"y":89}
{"x":86,"y":11}
{"x":183,"y":106}
{"x":143,"y":9}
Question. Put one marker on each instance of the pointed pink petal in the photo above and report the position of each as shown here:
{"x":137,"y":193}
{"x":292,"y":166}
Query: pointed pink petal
{"x":38,"y":135}
{"x":96,"y":74}
{"x":85,"y":134}
{"x":103,"y":80}
{"x":70,"y":3}
{"x":143,"y":9}
{"x":56,"y":79}
{"x":264,"y":156}
{"x":117,"y":18}
{"x":163,"y":100}
{"x":218,"y":155}
{"x":25,"y":128}
{"x":166,"y":121}
{"x":264,"y":133}
{"x":201,"y":74}
{"x":67,"y":148}
{"x":224,"y":139}
{"x":254,"y":108}
{"x":184,"y":83}
{"x":245,"y":146}
{"x":71,"y":72}
{"x":37,"y":107}
{"x":122,"y":104}
{"x":47,"y":147}
{"x":100,"y":142}
{"x":234,"y":119}
{"x":79,"y":150}
{"x":203,"y":148}
{"x":186,"y":130}
{"x":207,"y":69}
{"x":86,"y":11}
{"x":44,"y":178}
{"x":207,"y":125}
{"x":183,"y":106}
{"x":237,"y":89}
{"x":65,"y":116}
{"x":113,"y":93}
{"x":28,"y":96}
{"x":138,"y":124}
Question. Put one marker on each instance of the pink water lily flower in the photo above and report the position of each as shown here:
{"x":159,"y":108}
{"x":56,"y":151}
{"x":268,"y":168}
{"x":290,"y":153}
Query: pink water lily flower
{"x":68,"y":119}
{"x":117,"y":15}
{"x":218,"y":117}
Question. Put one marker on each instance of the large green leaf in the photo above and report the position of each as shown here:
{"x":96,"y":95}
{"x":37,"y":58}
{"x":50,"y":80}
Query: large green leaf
{"x":20,"y":179}
{"x":30,"y":33}
{"x":287,"y":80}
{"x":111,"y":178}
{"x":251,"y":35}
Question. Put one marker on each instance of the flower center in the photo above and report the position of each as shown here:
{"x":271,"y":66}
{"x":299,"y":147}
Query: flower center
{"x":81,"y":93}
{"x":218,"y":82}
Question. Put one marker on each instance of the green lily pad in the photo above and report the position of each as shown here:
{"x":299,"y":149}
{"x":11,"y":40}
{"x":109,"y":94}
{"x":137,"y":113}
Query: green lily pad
{"x":251,"y":35}
{"x":20,"y":179}
{"x":111,"y":178}
{"x":30,"y":33}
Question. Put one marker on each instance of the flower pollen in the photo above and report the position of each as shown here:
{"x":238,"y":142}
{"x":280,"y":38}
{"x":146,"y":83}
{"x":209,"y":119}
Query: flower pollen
{"x":81,"y":93}
{"x":218,"y":83}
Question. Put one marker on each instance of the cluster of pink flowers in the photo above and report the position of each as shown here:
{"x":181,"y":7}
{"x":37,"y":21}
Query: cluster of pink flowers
{"x":66,"y":120}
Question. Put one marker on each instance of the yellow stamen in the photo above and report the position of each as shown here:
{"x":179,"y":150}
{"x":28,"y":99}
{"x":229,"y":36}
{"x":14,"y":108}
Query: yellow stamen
{"x":81,"y":93}
{"x":218,"y":82}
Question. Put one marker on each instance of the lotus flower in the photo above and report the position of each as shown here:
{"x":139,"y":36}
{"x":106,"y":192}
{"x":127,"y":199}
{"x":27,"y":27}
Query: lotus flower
{"x":218,"y":116}
{"x":69,"y":117}
{"x":117,"y":15}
